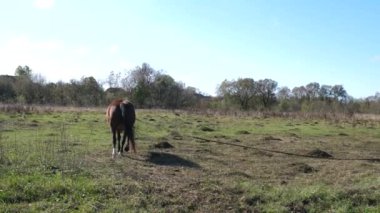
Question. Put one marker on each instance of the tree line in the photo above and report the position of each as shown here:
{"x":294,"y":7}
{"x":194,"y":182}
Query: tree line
{"x":150,"y":88}
{"x":143,"y":85}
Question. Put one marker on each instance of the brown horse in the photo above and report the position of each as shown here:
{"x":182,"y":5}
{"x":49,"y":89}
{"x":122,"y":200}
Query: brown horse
{"x":121,"y":117}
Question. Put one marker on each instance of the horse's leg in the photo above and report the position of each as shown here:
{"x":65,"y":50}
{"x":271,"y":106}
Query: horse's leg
{"x":118,"y":142}
{"x":133,"y":141}
{"x":124,"y":138}
{"x":113,"y":142}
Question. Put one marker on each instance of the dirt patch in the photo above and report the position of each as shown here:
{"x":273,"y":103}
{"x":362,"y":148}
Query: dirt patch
{"x":294,"y":135}
{"x":5,"y":161}
{"x":203,"y":151}
{"x":343,"y":134}
{"x":176,"y":135}
{"x":221,"y":136}
{"x":319,"y":154}
{"x":33,"y":125}
{"x":207,"y":129}
{"x":239,"y":174}
{"x":297,"y":207}
{"x":253,"y":201}
{"x":163,"y":145}
{"x":271,"y":138}
{"x":243,"y":132}
{"x":303,"y":168}
{"x":259,"y":125}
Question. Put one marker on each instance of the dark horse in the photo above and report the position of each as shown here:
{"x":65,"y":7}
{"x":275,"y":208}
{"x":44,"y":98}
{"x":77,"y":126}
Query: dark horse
{"x":121,"y":117}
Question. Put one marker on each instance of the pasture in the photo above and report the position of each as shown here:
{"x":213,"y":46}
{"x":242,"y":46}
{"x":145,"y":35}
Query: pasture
{"x":59,"y":160}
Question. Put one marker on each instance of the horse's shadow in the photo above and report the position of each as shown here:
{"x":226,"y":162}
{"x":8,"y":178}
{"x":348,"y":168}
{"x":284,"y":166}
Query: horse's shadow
{"x":167,"y":159}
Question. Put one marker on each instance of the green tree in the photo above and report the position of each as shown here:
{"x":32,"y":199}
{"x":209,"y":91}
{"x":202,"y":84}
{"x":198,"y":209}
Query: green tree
{"x":325,"y":93}
{"x":91,"y":92}
{"x":23,"y":72}
{"x":299,"y":93}
{"x":339,"y":93}
{"x":266,"y":91}
{"x":246,"y":89}
{"x":113,"y":93}
{"x":284,"y":97}
{"x":113,"y":80}
{"x":312,"y":90}
{"x":241,"y":91}
{"x":7,"y":92}
{"x":228,"y":93}
{"x":139,"y":83}
{"x":284,"y":93}
{"x":164,"y":88}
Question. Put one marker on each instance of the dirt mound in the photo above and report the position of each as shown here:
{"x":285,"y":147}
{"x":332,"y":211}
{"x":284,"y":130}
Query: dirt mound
{"x":243,"y":132}
{"x":271,"y":138}
{"x":319,"y":154}
{"x":176,"y":135}
{"x":294,"y":135}
{"x":303,"y":167}
{"x":297,"y":207}
{"x":207,"y":129}
{"x":163,"y":145}
{"x":239,"y":174}
{"x":5,"y":161}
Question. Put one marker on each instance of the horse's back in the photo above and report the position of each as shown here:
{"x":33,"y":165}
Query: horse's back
{"x":113,"y":114}
{"x":129,"y":115}
{"x":121,"y":114}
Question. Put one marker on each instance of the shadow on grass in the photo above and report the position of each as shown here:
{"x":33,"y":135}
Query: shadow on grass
{"x":166,"y":159}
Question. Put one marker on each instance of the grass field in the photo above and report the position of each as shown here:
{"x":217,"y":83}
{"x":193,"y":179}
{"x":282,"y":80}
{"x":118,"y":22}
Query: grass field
{"x":60,"y":161}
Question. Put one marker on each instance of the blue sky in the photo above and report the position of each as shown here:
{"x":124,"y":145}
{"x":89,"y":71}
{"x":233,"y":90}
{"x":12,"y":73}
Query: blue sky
{"x":200,"y":43}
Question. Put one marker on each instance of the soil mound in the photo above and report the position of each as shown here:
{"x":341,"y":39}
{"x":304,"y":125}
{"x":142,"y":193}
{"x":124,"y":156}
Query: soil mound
{"x":319,"y":154}
{"x":294,"y":135}
{"x":164,"y":145}
{"x":243,"y":132}
{"x":303,"y":167}
{"x":207,"y":129}
{"x":271,"y":138}
{"x":176,"y":135}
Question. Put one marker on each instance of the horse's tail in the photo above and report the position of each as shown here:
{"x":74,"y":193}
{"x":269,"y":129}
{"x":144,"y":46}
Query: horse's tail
{"x":130,"y":131}
{"x":128,"y":113}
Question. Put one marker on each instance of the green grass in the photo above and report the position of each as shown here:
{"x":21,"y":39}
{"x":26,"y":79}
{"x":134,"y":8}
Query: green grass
{"x":61,"y":161}
{"x":53,"y":192}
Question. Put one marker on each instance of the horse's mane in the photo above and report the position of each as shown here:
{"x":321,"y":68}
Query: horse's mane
{"x":116,"y":102}
{"x":113,"y":105}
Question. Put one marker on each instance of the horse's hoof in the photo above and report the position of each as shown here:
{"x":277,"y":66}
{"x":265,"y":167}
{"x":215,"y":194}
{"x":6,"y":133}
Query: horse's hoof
{"x":126,"y":149}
